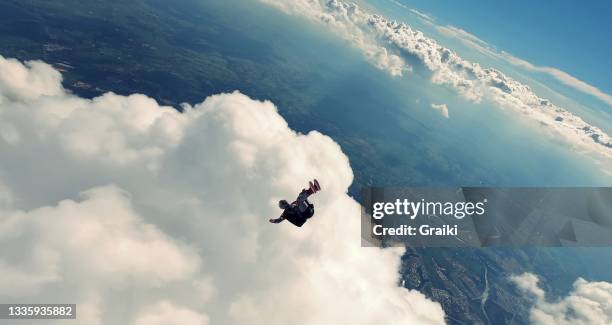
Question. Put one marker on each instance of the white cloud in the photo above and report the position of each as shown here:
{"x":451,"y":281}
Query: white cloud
{"x":34,"y":79}
{"x":98,"y":237}
{"x":419,"y":14}
{"x":561,"y":76}
{"x":442,"y":108}
{"x":587,"y":303}
{"x":138,"y":213}
{"x":346,"y":21}
{"x":485,"y":48}
{"x":467,"y":38}
{"x":423,"y":16}
{"x":468,"y":79}
{"x":166,"y":313}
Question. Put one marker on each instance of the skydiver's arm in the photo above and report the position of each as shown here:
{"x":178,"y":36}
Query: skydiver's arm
{"x":277,"y":220}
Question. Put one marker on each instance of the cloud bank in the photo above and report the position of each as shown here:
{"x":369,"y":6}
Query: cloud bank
{"x":142,"y":215}
{"x":483,"y":47}
{"x":468,"y":79}
{"x":587,"y":303}
{"x":561,"y":76}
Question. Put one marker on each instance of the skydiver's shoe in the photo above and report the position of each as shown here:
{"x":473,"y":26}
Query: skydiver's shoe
{"x":312,"y":188}
{"x":278,"y":220}
{"x":316,"y":185}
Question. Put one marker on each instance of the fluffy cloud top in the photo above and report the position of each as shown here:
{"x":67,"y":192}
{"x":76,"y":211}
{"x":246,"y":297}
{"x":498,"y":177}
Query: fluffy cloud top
{"x":467,"y":78}
{"x":143,"y":215}
{"x":587,"y":303}
{"x":335,"y":14}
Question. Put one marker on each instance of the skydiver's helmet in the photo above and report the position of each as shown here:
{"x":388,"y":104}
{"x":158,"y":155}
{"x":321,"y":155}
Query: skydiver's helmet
{"x":283,"y":204}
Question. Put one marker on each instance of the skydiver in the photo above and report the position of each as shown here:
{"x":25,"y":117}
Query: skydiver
{"x":300,"y":210}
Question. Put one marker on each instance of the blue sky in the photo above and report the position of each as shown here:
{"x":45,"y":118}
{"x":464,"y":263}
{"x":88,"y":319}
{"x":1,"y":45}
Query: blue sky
{"x":568,"y":35}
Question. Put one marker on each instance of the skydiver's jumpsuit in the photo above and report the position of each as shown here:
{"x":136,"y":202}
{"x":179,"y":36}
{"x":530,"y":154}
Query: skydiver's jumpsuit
{"x":300,"y":210}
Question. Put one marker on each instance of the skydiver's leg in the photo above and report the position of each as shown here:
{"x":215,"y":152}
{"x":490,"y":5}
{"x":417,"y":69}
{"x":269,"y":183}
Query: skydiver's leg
{"x":303,"y":196}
